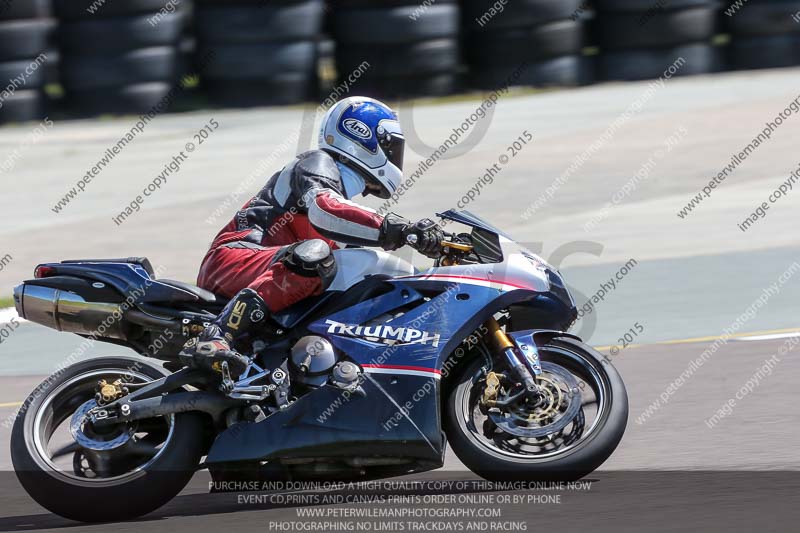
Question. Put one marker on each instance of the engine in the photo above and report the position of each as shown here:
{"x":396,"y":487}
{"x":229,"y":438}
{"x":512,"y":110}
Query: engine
{"x":314,"y":361}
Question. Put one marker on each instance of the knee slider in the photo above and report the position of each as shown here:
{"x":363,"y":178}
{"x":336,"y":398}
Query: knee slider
{"x":311,"y":258}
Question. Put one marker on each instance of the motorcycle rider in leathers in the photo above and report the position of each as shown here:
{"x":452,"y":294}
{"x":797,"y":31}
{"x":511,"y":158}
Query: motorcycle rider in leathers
{"x":277,"y":249}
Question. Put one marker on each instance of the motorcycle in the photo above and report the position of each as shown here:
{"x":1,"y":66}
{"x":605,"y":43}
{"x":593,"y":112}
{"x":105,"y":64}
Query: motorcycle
{"x":371,"y":379}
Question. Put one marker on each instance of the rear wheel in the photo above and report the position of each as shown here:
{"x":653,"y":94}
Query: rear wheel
{"x":88,"y":475}
{"x":568,"y":430}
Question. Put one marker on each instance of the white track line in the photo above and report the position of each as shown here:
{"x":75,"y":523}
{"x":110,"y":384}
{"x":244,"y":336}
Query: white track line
{"x":770,"y":337}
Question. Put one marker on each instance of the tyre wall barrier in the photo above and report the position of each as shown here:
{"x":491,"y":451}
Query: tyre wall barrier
{"x":127,"y":56}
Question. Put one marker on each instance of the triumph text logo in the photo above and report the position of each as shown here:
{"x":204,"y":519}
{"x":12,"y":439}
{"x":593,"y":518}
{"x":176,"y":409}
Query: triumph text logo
{"x":386,"y":333}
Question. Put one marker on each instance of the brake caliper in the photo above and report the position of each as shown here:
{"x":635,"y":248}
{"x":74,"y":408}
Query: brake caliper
{"x":109,"y":392}
{"x":491,"y":389}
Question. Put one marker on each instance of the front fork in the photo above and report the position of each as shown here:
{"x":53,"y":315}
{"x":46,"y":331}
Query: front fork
{"x":522,"y":356}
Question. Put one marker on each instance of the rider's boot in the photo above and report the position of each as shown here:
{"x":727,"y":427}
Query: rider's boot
{"x":212,"y":349}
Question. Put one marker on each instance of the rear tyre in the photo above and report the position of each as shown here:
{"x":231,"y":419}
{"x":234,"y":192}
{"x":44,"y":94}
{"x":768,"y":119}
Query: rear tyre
{"x":580,"y":446}
{"x":128,"y":478}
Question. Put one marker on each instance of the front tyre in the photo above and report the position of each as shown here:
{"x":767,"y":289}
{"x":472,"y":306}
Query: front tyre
{"x":125,"y":472}
{"x":565,"y":433}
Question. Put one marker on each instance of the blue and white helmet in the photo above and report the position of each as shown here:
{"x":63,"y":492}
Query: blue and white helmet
{"x":365,"y":137}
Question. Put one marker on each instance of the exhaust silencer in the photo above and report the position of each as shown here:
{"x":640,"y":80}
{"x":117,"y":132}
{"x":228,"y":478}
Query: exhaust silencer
{"x":67,"y":311}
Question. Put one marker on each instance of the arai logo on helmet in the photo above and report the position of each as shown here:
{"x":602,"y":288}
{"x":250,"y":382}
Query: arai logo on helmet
{"x":357,"y":128}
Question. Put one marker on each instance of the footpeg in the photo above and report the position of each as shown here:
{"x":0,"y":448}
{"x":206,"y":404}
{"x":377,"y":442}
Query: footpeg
{"x":227,"y":383}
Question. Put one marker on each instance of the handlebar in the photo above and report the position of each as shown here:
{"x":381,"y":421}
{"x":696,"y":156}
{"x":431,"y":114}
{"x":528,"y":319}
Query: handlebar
{"x":412,"y":240}
{"x":457,"y":246}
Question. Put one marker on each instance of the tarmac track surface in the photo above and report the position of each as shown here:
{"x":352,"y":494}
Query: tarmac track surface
{"x":671,"y":473}
{"x":695,"y":277}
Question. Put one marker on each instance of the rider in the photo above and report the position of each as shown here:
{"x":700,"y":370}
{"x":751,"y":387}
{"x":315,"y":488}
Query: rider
{"x":277,"y":249}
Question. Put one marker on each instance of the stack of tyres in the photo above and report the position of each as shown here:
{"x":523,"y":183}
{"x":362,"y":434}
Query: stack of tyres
{"x":397,"y":48}
{"x":25,"y":29}
{"x":119,"y":56}
{"x":641,"y":39}
{"x":258,"y":52}
{"x":526,"y":42}
{"x":187,"y":46}
{"x":764,"y":34}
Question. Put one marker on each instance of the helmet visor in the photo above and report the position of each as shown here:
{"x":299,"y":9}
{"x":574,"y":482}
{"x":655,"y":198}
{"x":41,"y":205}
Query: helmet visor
{"x":394,"y":145}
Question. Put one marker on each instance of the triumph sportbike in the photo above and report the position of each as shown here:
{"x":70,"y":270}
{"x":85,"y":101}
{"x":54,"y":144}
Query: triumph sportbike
{"x":371,"y":379}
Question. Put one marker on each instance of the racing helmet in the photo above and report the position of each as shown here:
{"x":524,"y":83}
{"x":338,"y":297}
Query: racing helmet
{"x":365,"y":138}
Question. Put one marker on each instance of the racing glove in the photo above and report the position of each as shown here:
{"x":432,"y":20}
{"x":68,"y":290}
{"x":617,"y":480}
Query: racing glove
{"x":429,"y":237}
{"x":392,"y":232}
{"x":396,"y":229}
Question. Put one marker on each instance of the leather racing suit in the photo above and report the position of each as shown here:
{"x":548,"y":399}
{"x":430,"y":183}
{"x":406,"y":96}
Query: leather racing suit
{"x":304,"y":201}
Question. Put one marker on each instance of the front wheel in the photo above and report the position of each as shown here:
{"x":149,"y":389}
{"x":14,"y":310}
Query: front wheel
{"x":90,"y":476}
{"x":564,"y":432}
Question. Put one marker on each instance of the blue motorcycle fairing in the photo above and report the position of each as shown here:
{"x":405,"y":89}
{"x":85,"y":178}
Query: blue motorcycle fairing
{"x":444,"y":321}
{"x":389,"y":420}
{"x":400,"y":414}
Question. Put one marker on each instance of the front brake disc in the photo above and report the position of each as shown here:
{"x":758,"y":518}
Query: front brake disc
{"x":574,"y":398}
